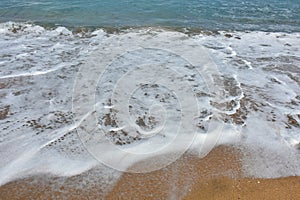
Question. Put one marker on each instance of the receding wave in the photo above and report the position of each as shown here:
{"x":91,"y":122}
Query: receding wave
{"x":258,"y":78}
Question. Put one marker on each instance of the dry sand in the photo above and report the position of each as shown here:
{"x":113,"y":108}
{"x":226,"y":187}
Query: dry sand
{"x":217,"y":176}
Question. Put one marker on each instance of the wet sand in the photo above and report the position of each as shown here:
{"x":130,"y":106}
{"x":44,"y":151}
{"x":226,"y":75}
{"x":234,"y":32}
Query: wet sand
{"x":217,"y":176}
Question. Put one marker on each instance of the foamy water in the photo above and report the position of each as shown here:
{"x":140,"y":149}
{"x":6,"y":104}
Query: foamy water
{"x":251,"y":91}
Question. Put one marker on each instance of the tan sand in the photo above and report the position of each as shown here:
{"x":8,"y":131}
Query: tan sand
{"x":217,"y":176}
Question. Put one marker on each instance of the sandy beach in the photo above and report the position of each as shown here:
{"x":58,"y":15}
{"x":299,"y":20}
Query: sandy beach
{"x":93,"y":90}
{"x":217,"y":176}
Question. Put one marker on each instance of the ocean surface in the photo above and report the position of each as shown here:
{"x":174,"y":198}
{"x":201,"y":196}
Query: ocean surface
{"x":92,"y":87}
{"x":265,"y":15}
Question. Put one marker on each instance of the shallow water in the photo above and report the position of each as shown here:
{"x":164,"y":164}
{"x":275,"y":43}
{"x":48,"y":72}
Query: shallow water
{"x":264,"y":15}
{"x":87,"y":84}
{"x":256,"y":76}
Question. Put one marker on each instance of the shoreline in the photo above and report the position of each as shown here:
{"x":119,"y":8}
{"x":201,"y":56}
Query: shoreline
{"x":258,"y":72}
{"x":217,"y":176}
{"x":189,"y":30}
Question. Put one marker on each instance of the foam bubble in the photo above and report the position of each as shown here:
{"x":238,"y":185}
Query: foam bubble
{"x":259,"y":82}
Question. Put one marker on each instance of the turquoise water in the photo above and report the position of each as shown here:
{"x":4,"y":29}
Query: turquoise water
{"x":265,"y":15}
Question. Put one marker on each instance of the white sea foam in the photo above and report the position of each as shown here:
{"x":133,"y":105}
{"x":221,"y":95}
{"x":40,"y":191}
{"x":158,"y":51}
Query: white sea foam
{"x":258,"y":80}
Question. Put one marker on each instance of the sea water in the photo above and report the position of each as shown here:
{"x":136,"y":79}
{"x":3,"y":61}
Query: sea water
{"x":268,"y":15}
{"x":51,"y":52}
